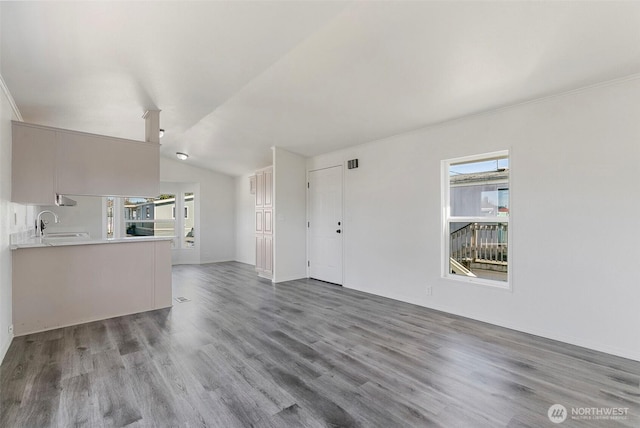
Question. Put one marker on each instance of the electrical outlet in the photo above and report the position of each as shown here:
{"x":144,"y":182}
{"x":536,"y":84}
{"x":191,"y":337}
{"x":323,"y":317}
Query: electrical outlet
{"x":11,"y":329}
{"x":429,"y":291}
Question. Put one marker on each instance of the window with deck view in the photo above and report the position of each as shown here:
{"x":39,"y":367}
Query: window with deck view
{"x":157,"y":219}
{"x":476,"y":219}
{"x":135,"y":217}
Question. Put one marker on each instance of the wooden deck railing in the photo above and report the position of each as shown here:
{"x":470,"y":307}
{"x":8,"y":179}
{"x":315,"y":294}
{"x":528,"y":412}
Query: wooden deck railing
{"x":480,"y":243}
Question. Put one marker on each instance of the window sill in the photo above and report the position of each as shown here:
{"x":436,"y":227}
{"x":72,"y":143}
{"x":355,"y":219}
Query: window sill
{"x":500,"y":285}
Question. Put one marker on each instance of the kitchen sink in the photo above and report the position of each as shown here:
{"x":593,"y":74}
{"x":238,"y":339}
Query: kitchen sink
{"x":66,"y":236}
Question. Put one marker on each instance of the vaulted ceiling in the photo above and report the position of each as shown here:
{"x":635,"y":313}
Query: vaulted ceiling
{"x":235,"y":78}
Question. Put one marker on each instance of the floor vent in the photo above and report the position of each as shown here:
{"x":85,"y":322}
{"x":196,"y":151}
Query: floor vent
{"x":182,"y":299}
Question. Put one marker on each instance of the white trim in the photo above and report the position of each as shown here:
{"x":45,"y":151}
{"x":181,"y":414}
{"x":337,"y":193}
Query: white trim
{"x":105,"y":219}
{"x":119,"y":225}
{"x":342,"y":216}
{"x":269,"y":276}
{"x":487,"y":219}
{"x":118,"y":221}
{"x":209,"y":261}
{"x":12,"y":102}
{"x":308,"y":237}
{"x":274,"y":218}
{"x":282,"y":279}
{"x":483,"y":156}
{"x":190,"y":262}
{"x":446,"y":218}
{"x":5,"y":347}
{"x":500,"y":285}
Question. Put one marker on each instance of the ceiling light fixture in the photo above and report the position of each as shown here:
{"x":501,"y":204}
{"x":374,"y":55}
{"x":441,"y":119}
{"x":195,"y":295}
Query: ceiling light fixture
{"x":161,"y":133}
{"x":182,"y":156}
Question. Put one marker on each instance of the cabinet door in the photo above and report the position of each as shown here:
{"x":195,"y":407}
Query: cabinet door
{"x":268,"y":221}
{"x":33,"y":165}
{"x":268,"y":188}
{"x":95,"y":165}
{"x":259,"y":221}
{"x":259,"y":253}
{"x":259,"y":190}
{"x":268,"y":254}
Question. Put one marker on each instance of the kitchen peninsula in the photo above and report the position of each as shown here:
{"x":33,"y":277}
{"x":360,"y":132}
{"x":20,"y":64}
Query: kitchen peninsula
{"x":61,"y":283}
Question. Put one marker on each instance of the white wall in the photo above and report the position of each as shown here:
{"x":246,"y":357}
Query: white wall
{"x":13,"y":218}
{"x":289,"y":233}
{"x":217,"y":207}
{"x":574,"y":164}
{"x":86,"y":216}
{"x":245,"y":218}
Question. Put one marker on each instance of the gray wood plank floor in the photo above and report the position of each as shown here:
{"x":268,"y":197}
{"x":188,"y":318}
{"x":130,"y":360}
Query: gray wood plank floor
{"x":244,"y":352}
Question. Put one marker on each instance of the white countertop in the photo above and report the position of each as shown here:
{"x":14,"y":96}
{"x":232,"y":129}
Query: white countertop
{"x":34,"y":242}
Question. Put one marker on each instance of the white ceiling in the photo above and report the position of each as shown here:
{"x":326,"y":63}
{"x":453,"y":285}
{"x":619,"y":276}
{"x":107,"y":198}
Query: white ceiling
{"x":234,"y":78}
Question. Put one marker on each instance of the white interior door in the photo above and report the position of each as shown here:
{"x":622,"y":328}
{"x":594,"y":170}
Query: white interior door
{"x":325,"y":224}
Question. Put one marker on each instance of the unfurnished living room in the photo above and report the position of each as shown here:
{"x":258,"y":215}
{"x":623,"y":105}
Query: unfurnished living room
{"x":319,"y":214}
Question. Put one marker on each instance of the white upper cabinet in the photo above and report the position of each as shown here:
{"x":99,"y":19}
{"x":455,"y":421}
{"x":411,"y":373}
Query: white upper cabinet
{"x":32,"y":165}
{"x":47,"y":161}
{"x":268,"y":188}
{"x":97,"y":165}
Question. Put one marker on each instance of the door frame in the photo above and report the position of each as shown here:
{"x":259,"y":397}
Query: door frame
{"x":179,"y":254}
{"x":342,"y":203}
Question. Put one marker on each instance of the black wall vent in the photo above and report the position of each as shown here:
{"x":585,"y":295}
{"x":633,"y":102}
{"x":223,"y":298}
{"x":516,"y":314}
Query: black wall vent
{"x":353,"y":163}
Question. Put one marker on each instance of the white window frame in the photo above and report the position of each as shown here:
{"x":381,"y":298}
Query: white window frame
{"x":181,"y":253}
{"x":185,"y":210}
{"x":118,"y":218}
{"x":447,"y":219}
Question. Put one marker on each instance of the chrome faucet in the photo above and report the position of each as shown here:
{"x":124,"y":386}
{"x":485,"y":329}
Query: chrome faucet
{"x":41,"y":225}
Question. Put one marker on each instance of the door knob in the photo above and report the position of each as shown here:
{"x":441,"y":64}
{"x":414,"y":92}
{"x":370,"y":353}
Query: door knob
{"x":338,"y":231}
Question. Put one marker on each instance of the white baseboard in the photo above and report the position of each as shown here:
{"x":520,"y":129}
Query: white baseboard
{"x":206,"y":262}
{"x":288,"y":278}
{"x":5,"y":347}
